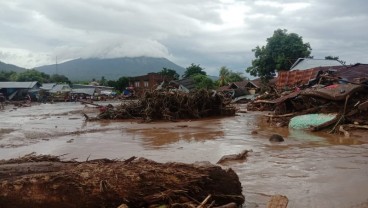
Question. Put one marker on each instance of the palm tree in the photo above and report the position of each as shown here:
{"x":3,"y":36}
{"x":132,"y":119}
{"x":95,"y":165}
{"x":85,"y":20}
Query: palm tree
{"x":224,"y":76}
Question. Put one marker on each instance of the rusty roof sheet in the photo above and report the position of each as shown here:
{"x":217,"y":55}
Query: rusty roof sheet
{"x":354,"y":73}
{"x":335,"y":92}
{"x":280,"y":99}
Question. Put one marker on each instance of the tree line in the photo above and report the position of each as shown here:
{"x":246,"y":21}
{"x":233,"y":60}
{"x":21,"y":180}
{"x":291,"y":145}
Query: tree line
{"x":32,"y":75}
{"x":194,"y":71}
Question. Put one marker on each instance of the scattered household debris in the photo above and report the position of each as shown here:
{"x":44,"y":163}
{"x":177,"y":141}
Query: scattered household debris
{"x":327,"y":97}
{"x":313,"y":121}
{"x":234,"y":157}
{"x":46,"y":181}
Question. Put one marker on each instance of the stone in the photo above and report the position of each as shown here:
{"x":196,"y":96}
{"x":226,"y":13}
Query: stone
{"x":276,"y":138}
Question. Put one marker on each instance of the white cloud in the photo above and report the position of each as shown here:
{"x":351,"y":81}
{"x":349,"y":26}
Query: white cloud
{"x":212,"y":33}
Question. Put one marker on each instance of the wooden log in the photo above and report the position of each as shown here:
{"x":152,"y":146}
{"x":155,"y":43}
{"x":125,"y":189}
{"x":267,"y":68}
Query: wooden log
{"x":278,"y":201}
{"x":90,"y":103}
{"x":234,"y":157}
{"x":47,"y":182}
{"x":356,"y":126}
{"x":279,"y":116}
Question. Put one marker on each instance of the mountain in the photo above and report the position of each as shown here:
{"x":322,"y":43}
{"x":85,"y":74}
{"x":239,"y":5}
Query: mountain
{"x":10,"y":67}
{"x":111,"y":69}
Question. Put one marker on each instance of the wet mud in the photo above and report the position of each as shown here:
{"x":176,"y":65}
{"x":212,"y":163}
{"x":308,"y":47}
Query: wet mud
{"x":311,"y":169}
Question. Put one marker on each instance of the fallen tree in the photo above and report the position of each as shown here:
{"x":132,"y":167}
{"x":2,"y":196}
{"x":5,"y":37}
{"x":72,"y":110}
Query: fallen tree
{"x":45,"y":181}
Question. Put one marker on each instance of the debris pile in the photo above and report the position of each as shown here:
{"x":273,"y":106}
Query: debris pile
{"x":159,"y":105}
{"x":331,"y":99}
{"x":39,"y":181}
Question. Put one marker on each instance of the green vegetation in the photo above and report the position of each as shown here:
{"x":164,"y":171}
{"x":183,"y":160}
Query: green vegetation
{"x":193,"y":70}
{"x":32,"y":75}
{"x":103,"y":81}
{"x":226,"y":76}
{"x":280,"y":52}
{"x":203,"y":82}
{"x":120,"y":84}
{"x":58,"y":78}
{"x":335,"y":58}
{"x":170,"y":73}
{"x":6,"y":75}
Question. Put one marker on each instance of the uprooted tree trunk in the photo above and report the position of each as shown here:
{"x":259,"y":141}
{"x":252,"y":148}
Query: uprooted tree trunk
{"x":35,"y":181}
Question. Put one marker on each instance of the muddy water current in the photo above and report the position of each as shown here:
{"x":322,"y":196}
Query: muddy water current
{"x":312,"y":170}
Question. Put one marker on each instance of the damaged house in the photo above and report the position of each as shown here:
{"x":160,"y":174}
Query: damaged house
{"x":19,"y":90}
{"x":319,"y":97}
{"x":147,"y":82}
{"x":305,"y":72}
{"x":54,"y":91}
{"x":237,"y":89}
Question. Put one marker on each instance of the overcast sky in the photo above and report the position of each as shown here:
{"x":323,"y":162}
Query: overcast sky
{"x":212,"y":33}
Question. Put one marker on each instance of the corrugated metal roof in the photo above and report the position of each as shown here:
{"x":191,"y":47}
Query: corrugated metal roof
{"x":351,"y":73}
{"x":60,"y":88}
{"x":354,"y":72}
{"x":47,"y":86}
{"x":87,"y":91}
{"x":307,"y":63}
{"x":18,"y":85}
{"x":80,"y":86}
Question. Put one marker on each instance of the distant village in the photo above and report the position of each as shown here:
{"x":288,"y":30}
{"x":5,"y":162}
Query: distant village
{"x":304,"y":72}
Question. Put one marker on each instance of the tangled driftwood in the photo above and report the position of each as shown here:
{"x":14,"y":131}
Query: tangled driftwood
{"x":158,"y":105}
{"x":42,"y":181}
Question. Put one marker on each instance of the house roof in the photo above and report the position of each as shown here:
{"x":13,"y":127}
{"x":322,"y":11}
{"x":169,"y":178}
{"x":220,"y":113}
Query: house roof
{"x":81,"y":86}
{"x":187,"y":83}
{"x":87,"y":91}
{"x":47,"y":86}
{"x":241,"y":84}
{"x":308,"y":63}
{"x":303,"y":77}
{"x":19,"y":85}
{"x":353,"y":72}
{"x":60,"y":88}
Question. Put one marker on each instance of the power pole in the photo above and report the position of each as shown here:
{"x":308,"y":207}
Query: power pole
{"x":56,"y":66}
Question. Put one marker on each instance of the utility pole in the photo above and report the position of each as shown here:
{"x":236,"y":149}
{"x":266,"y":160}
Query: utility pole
{"x":56,"y":66}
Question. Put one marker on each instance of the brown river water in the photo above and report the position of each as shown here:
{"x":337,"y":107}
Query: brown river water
{"x":312,"y":170}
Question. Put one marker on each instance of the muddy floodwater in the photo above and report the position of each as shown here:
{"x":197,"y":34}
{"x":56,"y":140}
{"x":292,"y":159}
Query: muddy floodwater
{"x":312,"y":170}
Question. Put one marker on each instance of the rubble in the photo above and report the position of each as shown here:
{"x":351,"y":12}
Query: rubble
{"x":341,"y":93}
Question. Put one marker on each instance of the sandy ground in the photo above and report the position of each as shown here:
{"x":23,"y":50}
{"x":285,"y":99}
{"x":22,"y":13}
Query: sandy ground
{"x":312,"y":170}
